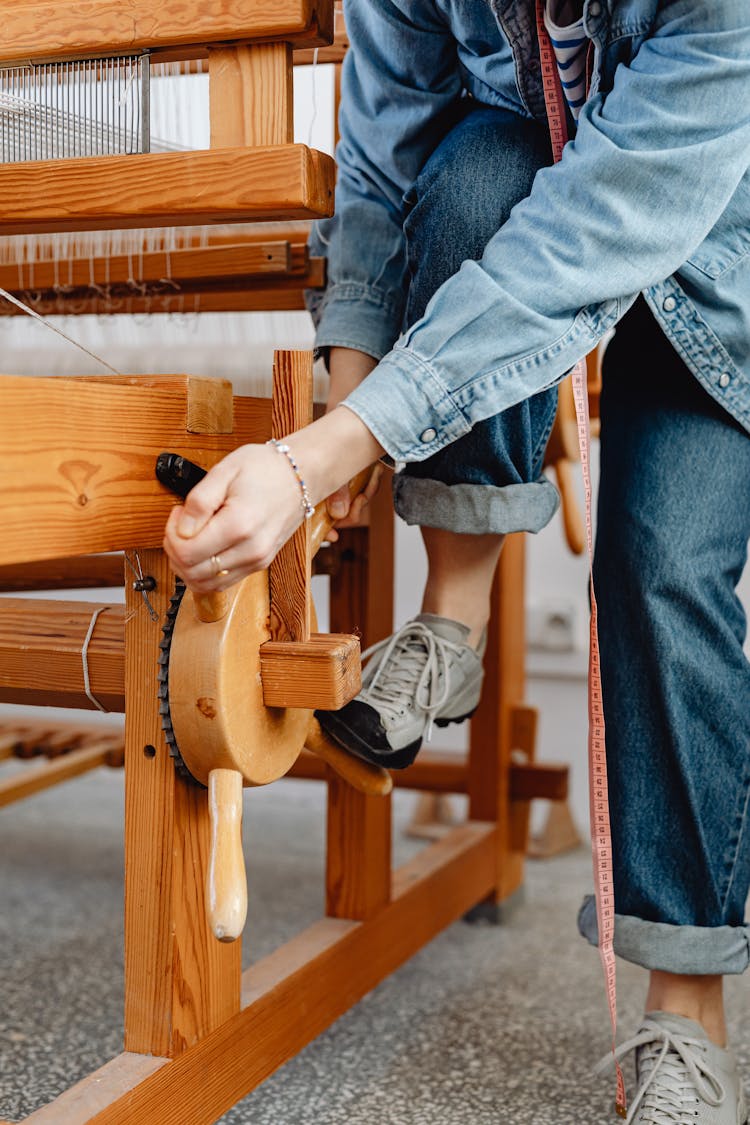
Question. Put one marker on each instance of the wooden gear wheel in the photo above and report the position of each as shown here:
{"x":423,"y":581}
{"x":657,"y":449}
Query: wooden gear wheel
{"x":231,"y":728}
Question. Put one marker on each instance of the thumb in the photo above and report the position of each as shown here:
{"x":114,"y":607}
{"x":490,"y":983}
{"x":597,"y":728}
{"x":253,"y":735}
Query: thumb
{"x":203,"y":501}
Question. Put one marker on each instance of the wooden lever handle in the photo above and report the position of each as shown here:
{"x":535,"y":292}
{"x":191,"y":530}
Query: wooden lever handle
{"x":226,"y":882}
{"x":322,"y":523}
{"x":369,"y":779}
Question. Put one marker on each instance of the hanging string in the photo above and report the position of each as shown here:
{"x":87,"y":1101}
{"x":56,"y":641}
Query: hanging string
{"x":53,"y":328}
{"x":313,"y":99}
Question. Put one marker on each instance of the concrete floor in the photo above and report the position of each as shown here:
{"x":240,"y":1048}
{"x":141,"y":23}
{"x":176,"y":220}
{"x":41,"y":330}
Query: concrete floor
{"x":485,"y":1026}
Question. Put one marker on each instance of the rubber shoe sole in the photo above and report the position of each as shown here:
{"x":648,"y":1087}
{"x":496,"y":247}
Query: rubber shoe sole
{"x":335,"y":726}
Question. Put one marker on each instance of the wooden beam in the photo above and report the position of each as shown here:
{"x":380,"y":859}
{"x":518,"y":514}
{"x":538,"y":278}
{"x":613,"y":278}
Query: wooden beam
{"x":220,"y":185}
{"x":44,"y":29}
{"x":324,"y":671}
{"x":246,"y":295}
{"x":291,"y":996}
{"x":77,"y":573}
{"x":41,"y":644}
{"x":36,"y":778}
{"x":149,"y":267}
{"x":82,"y":454}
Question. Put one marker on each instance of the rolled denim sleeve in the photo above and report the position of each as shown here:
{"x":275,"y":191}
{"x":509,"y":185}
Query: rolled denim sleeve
{"x":654,"y":165}
{"x":400,"y":91}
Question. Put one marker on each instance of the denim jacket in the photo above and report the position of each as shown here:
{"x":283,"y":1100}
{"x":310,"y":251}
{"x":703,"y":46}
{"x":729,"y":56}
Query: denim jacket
{"x":652,"y":196}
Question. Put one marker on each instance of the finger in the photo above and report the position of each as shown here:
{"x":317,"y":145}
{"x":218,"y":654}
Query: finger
{"x":205,"y":500}
{"x":222,"y":533}
{"x":338,"y":503}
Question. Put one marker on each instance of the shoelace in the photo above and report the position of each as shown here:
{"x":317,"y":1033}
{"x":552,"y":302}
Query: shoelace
{"x":413,"y":653}
{"x":673,"y":1070}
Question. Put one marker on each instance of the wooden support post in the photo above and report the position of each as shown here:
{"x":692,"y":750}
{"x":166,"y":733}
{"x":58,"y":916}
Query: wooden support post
{"x":250,"y":95}
{"x":358,"y":852}
{"x":180,"y":983}
{"x":492,"y":727}
{"x":358,"y":863}
{"x":291,"y":571}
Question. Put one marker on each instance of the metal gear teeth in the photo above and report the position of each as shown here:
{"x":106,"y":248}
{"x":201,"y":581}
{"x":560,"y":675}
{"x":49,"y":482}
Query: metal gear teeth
{"x":165,"y":646}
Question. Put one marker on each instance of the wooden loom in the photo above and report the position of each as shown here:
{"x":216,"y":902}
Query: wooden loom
{"x":198,"y":1035}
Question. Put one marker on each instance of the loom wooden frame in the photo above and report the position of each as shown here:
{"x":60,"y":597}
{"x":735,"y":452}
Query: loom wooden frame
{"x":173,"y":1036}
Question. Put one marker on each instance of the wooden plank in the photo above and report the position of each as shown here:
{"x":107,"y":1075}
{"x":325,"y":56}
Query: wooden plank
{"x":84,"y":573}
{"x":41,"y":642}
{"x":153,"y":266}
{"x":82,"y":455}
{"x":44,"y":29}
{"x":324,"y":671}
{"x":220,"y":185}
{"x":97,"y":1090}
{"x":290,"y":572}
{"x":35,"y":779}
{"x":248,"y":295}
{"x":300,"y":990}
{"x":250,"y":95}
{"x":537,"y":780}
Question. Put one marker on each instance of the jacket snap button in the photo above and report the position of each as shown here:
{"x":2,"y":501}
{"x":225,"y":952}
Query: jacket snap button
{"x":428,"y":435}
{"x":670,"y":304}
{"x":725,"y":380}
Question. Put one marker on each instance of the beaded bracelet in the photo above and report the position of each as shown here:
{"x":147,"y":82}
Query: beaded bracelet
{"x":281,"y":447}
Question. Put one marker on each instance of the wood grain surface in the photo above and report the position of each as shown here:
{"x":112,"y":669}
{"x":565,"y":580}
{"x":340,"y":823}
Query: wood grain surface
{"x":59,"y":28}
{"x":218,"y":185}
{"x":78,"y":460}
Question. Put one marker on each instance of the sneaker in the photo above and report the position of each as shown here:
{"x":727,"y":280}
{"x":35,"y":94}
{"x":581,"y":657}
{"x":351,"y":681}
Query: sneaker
{"x":425,"y":673}
{"x":683,"y":1078}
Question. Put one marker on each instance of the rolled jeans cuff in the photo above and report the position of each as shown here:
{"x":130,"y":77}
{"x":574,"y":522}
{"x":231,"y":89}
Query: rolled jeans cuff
{"x":475,"y":509}
{"x":687,"y":950}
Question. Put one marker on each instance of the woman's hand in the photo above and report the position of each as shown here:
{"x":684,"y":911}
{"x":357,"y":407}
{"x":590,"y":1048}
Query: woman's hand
{"x":235,"y":520}
{"x":247,"y":506}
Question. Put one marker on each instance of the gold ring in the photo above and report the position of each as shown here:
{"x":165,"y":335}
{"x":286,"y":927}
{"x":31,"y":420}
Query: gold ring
{"x":219,"y":570}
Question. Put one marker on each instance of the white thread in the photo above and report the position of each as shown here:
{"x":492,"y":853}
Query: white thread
{"x":314,"y":98}
{"x":85,"y":659}
{"x":32,"y":312}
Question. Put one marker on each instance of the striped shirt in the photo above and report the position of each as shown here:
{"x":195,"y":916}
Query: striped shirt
{"x":564,"y":22}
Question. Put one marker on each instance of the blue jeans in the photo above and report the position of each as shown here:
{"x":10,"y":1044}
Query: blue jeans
{"x":491,"y":479}
{"x":673,"y":527}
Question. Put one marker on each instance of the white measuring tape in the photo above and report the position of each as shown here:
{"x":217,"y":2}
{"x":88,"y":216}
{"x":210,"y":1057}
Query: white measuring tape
{"x":601,"y":835}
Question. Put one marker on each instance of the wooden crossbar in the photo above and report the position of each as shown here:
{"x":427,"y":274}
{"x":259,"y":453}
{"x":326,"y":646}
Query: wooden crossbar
{"x":160,"y":189}
{"x":86,"y":449}
{"x":44,"y":29}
